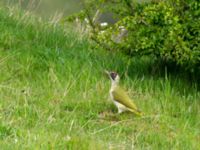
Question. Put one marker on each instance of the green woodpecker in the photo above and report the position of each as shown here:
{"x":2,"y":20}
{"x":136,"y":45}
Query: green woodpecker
{"x":120,"y":97}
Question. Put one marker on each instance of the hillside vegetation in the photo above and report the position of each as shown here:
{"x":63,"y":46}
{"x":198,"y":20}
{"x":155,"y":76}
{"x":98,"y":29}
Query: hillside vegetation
{"x":53,"y":94}
{"x":167,"y":30}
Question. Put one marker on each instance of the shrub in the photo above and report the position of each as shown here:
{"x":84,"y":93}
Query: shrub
{"x":168,"y":30}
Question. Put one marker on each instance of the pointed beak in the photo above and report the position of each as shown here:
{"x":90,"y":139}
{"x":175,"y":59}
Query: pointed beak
{"x":107,"y":73}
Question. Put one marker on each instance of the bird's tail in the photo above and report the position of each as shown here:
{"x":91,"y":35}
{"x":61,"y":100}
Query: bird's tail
{"x":137,"y":112}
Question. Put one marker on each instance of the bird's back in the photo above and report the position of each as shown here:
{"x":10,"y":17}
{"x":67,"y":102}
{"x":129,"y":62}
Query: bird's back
{"x":121,"y":96}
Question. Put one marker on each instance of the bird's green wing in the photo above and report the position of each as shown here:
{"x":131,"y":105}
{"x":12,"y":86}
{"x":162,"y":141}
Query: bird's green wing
{"x":121,"y":96}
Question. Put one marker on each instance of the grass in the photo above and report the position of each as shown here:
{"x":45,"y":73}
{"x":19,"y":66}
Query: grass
{"x":53,"y":94}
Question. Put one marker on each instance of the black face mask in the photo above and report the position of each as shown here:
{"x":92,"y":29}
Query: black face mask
{"x":113,"y":75}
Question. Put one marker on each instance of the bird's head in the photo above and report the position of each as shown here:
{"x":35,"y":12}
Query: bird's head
{"x":114,"y":77}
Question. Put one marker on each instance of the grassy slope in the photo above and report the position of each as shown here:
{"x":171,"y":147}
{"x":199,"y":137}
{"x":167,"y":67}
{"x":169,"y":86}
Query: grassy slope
{"x":53,"y":94}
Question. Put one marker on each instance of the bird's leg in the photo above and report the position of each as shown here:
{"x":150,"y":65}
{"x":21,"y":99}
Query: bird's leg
{"x":120,"y":110}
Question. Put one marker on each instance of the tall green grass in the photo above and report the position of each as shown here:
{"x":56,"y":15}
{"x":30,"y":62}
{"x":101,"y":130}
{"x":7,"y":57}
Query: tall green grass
{"x":53,"y":94}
